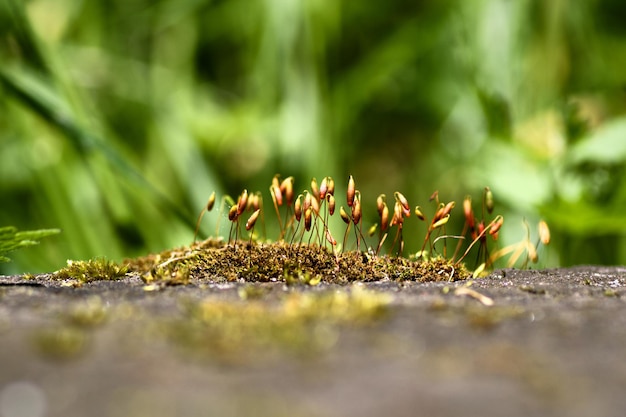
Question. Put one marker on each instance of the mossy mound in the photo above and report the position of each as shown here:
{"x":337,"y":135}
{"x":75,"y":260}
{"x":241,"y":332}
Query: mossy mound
{"x":265,"y":262}
{"x":98,"y":269}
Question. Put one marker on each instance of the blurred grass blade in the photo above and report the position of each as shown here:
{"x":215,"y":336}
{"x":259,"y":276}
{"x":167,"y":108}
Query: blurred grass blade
{"x":34,"y":94}
{"x":42,"y":100}
{"x":14,"y":21}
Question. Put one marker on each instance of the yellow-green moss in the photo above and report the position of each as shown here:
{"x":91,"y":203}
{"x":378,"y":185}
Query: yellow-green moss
{"x":91,"y":270}
{"x":301,"y":322}
{"x":87,"y":314}
{"x":61,"y":342}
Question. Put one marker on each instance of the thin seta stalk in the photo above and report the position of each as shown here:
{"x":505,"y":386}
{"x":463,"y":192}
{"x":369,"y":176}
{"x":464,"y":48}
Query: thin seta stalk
{"x":208,"y":207}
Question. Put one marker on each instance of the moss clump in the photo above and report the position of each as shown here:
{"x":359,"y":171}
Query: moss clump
{"x":255,"y":262}
{"x":91,"y":270}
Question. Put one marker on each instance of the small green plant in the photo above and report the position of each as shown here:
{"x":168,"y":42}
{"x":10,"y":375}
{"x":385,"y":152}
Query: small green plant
{"x":11,"y":239}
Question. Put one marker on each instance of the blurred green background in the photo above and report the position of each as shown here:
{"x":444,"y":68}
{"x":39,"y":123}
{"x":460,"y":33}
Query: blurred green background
{"x":118,"y":118}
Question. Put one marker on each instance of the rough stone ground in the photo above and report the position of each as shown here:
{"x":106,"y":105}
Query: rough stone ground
{"x":552,"y":344}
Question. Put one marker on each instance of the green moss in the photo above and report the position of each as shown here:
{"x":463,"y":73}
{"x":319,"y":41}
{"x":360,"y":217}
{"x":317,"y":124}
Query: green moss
{"x":91,"y":270}
{"x":69,"y":336}
{"x":301,"y":323}
{"x":251,"y":292}
{"x":168,"y":275}
{"x":88,"y":314}
{"x":61,"y":342}
{"x":293,"y":264}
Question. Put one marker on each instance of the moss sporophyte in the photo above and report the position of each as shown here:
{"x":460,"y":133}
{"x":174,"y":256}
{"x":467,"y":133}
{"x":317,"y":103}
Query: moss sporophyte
{"x":307,"y":250}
